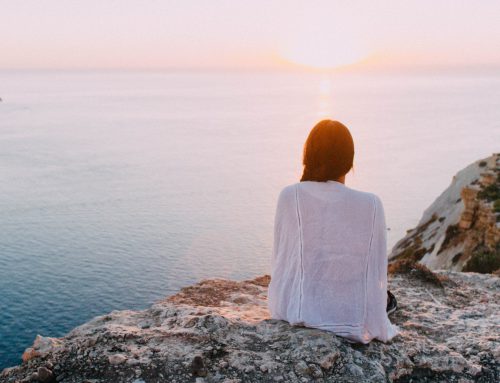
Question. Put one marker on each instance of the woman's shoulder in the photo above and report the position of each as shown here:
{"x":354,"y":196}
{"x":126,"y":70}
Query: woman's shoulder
{"x":288,"y":191}
{"x":368,"y":196}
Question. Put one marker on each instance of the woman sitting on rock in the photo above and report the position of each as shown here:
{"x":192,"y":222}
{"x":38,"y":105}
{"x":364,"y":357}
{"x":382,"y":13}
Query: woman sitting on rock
{"x":329,"y":261}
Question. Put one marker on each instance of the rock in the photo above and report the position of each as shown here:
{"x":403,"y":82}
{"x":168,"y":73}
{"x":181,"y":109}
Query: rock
{"x":41,"y":347}
{"x":355,"y":370}
{"x":45,"y":375}
{"x":198,"y":367}
{"x":328,"y":360}
{"x":446,"y":336}
{"x":315,"y":371}
{"x":460,"y":230}
{"x":117,"y":359}
{"x":301,"y":368}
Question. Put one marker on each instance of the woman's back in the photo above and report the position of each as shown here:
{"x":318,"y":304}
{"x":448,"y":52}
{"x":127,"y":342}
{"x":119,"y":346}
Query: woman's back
{"x":329,"y":264}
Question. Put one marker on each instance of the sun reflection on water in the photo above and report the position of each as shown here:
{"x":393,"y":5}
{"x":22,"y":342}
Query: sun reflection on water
{"x":325,"y":99}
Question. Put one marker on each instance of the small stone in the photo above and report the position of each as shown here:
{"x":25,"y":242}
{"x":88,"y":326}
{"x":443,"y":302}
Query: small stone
{"x":355,"y":370}
{"x":144,"y":325}
{"x":45,"y":375}
{"x":315,"y":371}
{"x":117,"y":359}
{"x":302,"y":368}
{"x":132,"y":362}
{"x":474,"y":369}
{"x":198,"y":367}
{"x":328,"y":361}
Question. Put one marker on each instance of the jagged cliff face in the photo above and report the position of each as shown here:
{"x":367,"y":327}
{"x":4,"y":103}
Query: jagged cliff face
{"x":220,"y":331}
{"x":461,"y":229}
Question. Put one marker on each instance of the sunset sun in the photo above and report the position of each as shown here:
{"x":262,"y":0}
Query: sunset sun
{"x":323,"y":48}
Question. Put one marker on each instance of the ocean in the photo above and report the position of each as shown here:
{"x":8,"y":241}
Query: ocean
{"x":118,"y":188}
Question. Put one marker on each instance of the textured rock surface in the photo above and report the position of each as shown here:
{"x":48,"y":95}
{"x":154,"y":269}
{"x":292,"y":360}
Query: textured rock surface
{"x":461,"y":229}
{"x":220,"y":331}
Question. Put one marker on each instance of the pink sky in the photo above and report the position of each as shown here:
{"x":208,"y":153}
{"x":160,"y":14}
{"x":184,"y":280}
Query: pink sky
{"x":247,"y":34}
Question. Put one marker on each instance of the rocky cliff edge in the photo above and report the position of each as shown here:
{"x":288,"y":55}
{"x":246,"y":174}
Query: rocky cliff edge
{"x":460,"y":230}
{"x":219,"y":331}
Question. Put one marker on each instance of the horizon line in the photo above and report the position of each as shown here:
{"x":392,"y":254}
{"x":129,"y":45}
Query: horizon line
{"x":350,"y":69}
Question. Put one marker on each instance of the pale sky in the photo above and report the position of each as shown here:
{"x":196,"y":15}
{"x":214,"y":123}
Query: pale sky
{"x":247,"y":34}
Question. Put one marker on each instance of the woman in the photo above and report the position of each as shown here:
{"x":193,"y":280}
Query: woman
{"x":329,"y":263}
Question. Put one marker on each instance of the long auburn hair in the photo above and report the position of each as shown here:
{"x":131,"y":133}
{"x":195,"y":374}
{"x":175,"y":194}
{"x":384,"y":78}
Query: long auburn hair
{"x":328,"y":152}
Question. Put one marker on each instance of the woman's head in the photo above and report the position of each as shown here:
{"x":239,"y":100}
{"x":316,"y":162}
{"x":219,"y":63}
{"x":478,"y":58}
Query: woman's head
{"x":328,"y":152}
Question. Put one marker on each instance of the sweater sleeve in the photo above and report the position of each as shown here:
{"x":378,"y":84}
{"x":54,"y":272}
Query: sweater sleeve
{"x":276,"y":235}
{"x":282,"y":289}
{"x":285,"y":217}
{"x":377,"y":323}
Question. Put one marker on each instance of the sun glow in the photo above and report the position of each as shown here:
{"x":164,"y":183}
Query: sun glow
{"x":322,"y":57}
{"x":322,"y":45}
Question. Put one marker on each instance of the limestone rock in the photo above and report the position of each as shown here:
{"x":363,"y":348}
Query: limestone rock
{"x":41,"y":347}
{"x":117,"y":359}
{"x":45,"y":375}
{"x":208,"y":333}
{"x":461,"y":229}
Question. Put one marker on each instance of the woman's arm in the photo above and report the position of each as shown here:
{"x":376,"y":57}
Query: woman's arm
{"x":276,"y":231}
{"x":377,"y":323}
{"x":283,"y":291}
{"x":284,"y":216}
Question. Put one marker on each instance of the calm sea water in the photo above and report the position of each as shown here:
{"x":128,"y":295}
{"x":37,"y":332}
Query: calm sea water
{"x":119,"y":188}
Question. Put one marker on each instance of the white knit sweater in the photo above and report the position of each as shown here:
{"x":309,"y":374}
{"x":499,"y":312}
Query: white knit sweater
{"x":329,"y":261}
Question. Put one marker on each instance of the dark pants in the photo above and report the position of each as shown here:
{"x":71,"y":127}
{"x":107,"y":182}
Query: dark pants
{"x":391,"y":301}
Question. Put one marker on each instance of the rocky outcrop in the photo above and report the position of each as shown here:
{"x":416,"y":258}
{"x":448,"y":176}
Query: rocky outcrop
{"x":220,"y":331}
{"x":461,"y":229}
